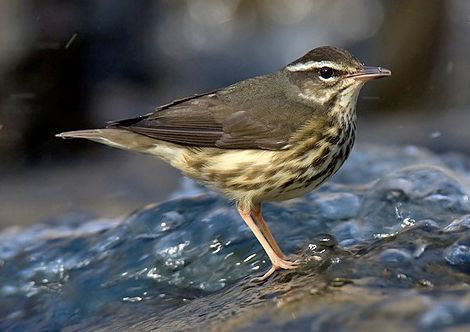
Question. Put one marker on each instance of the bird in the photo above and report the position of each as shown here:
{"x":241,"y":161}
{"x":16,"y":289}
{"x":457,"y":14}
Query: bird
{"x":268,"y":138}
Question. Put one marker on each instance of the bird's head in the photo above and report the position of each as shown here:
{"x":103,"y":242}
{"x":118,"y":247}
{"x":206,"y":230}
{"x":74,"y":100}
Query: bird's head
{"x":329,"y":75}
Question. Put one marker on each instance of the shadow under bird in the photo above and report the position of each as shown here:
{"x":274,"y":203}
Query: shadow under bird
{"x":268,"y":138}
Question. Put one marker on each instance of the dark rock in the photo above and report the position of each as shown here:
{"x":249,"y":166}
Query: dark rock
{"x":386,"y":239}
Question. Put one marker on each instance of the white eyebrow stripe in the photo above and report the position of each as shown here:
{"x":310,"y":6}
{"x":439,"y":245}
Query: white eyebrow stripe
{"x":313,"y":65}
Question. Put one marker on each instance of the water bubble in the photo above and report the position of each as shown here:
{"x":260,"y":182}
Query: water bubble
{"x":458,"y":255}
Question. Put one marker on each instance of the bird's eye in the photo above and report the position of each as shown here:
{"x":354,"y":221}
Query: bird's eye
{"x":326,"y":72}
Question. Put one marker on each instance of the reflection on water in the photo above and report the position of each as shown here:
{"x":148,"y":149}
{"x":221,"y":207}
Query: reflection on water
{"x":387,"y":239}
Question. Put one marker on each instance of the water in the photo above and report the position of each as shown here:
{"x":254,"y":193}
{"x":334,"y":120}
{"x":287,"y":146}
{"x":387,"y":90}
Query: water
{"x":388,"y":240}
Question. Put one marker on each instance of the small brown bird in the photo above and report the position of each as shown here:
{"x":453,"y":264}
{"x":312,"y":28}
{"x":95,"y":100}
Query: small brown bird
{"x":268,"y":138}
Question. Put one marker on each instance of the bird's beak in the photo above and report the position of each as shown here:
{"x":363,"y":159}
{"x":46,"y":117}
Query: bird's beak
{"x":370,"y":73}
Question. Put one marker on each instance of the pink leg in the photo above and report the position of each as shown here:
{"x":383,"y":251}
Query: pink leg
{"x":276,"y":260}
{"x":258,"y":217}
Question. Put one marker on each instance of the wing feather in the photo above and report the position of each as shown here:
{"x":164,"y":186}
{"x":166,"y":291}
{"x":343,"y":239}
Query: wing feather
{"x":228,"y":119}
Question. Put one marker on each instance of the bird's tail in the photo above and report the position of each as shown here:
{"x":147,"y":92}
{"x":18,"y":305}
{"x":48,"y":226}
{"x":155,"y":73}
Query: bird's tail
{"x":90,"y":134}
{"x":117,"y":138}
{"x":127,"y":140}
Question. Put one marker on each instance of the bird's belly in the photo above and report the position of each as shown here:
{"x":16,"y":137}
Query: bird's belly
{"x":259,"y":175}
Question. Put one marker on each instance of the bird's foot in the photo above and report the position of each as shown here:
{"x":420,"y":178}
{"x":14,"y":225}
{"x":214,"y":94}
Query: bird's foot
{"x":286,"y":264}
{"x":278,"y":263}
{"x":265,"y":276}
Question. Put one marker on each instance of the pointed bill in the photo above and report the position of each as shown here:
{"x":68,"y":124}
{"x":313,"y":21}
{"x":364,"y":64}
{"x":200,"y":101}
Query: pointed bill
{"x":370,"y":73}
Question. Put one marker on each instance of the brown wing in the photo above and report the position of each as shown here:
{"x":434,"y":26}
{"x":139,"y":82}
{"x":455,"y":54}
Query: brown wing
{"x":224,"y":119}
{"x":183,"y":121}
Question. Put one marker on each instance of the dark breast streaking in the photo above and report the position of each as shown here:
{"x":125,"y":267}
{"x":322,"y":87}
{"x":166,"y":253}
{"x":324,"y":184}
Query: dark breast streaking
{"x":252,"y":176}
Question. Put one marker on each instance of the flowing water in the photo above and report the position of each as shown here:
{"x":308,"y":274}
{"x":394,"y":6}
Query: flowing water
{"x":386,"y":245}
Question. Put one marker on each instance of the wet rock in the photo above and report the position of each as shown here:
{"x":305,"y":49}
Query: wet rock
{"x":458,"y":255}
{"x":387,"y":238}
{"x":337,"y":206}
{"x":445,"y":314}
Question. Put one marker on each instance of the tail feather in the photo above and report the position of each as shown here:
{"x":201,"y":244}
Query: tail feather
{"x":127,"y":140}
{"x":122,"y":139}
{"x":88,"y":134}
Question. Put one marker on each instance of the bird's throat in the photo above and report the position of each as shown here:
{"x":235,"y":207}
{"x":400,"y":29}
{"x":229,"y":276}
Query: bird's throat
{"x":342,"y":108}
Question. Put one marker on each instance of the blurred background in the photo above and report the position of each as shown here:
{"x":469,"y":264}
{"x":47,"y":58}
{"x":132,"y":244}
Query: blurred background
{"x":68,"y":65}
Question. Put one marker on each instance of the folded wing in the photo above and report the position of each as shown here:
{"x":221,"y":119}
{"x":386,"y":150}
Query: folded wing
{"x":254,"y":114}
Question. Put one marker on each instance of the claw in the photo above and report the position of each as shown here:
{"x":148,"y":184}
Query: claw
{"x":265,"y":276}
{"x":279,"y":264}
{"x":285,"y":264}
